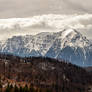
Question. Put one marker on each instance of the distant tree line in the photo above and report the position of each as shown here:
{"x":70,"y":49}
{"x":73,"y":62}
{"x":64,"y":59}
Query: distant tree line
{"x":10,"y":88}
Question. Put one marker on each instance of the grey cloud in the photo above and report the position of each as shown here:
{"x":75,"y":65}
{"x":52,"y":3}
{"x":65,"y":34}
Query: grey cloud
{"x":26,"y":8}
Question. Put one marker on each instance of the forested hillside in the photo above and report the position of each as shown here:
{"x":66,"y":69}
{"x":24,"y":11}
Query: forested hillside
{"x":40,"y":74}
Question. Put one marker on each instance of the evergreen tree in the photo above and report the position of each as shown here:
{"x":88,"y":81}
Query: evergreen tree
{"x":47,"y":90}
{"x":16,"y":89}
{"x":32,"y":89}
{"x":20,"y":89}
{"x":8,"y":89}
{"x":0,"y":87}
{"x":25,"y":88}
{"x":11,"y":87}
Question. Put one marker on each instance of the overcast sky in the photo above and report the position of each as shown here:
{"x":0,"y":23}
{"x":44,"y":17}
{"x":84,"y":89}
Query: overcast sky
{"x":27,"y":8}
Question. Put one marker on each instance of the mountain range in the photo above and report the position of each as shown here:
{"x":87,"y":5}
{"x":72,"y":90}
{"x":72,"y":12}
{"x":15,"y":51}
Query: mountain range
{"x":68,"y":45}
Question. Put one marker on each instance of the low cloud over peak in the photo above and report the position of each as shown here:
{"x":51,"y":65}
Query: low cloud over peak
{"x":45,"y":23}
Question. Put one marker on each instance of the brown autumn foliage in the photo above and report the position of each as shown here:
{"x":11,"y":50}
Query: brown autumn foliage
{"x":43,"y":73}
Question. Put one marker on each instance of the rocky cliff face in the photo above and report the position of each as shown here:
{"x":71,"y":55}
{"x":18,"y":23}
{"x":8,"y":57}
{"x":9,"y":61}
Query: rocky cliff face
{"x":68,"y":45}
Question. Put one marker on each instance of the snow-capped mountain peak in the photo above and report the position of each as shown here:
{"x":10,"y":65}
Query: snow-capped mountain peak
{"x":70,"y":37}
{"x":66,"y":45}
{"x":66,"y":32}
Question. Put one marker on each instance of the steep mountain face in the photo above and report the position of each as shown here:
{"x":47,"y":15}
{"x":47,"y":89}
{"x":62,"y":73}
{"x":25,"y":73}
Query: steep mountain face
{"x":72,"y":46}
{"x":68,"y":45}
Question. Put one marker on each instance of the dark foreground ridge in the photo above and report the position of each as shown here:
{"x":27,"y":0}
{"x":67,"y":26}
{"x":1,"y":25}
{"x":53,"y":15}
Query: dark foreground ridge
{"x":44,"y":74}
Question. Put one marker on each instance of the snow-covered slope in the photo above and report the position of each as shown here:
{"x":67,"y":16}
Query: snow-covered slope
{"x":68,"y":44}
